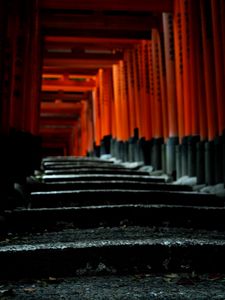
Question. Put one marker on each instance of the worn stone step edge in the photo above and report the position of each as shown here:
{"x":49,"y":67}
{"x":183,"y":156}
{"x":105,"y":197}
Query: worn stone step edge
{"x":129,"y":256}
{"x":101,"y":197}
{"x":71,"y":177}
{"x":125,"y":184}
{"x":116,"y":215}
{"x":95,"y":171}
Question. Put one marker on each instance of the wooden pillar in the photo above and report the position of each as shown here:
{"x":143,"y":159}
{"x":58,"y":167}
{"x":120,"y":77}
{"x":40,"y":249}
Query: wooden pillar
{"x":130,"y":125}
{"x":185,"y":31}
{"x":194,"y":66}
{"x":96,"y":115}
{"x":3,"y":41}
{"x":7,"y":63}
{"x":158,"y":121}
{"x":147,"y":85}
{"x":179,"y":68}
{"x":130,"y":92}
{"x":209,"y":71}
{"x":199,"y":72}
{"x":170,"y":74}
{"x":152,"y":89}
{"x":117,"y":102}
{"x":222,"y":24}
{"x":83,"y":127}
{"x":124,"y":121}
{"x":101,"y":103}
{"x":107,"y":102}
{"x":136,"y":89}
{"x":146,"y":89}
{"x":22,"y":69}
{"x":219,"y":61}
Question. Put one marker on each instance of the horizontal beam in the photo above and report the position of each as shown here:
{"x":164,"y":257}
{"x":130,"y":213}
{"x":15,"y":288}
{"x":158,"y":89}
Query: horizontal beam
{"x":60,"y":107}
{"x":67,"y":85}
{"x":110,"y":5}
{"x":47,"y":97}
{"x":128,"y":34}
{"x":82,"y":56}
{"x":70,"y":70}
{"x":91,"y":40}
{"x":98,"y":21}
{"x":81,"y":64}
{"x":60,"y":123}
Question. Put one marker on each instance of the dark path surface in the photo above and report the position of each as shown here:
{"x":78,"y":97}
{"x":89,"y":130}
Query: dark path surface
{"x":119,"y":235}
{"x":137,"y":287}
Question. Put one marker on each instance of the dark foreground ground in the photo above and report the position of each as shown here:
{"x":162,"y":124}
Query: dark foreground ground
{"x":149,"y":286}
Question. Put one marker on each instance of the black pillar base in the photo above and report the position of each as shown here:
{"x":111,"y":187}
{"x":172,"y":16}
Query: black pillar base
{"x":147,"y":152}
{"x":200,"y":162}
{"x":178,"y":161}
{"x":209,"y":163}
{"x":224,"y":157}
{"x":184,"y":156}
{"x":192,"y":141}
{"x":105,"y":145}
{"x":112,"y":147}
{"x":171,"y":145}
{"x":163,"y":157}
{"x":131,"y":150}
{"x":218,"y":152}
{"x":156,"y":153}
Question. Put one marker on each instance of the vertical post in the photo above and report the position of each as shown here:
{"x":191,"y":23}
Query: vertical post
{"x":220,"y":91}
{"x":171,"y":94}
{"x":158,"y":120}
{"x":209,"y":71}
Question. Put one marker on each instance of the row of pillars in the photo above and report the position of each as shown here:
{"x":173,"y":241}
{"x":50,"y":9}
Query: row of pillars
{"x":164,"y":103}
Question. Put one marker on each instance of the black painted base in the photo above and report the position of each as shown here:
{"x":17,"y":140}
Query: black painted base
{"x":192,"y":142}
{"x":156,"y":154}
{"x":171,"y":144}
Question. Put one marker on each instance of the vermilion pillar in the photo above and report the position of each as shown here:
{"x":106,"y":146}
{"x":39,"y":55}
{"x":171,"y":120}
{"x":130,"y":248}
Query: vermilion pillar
{"x":194,"y":65}
{"x":152,"y":89}
{"x":117,"y":110}
{"x":83,"y":124}
{"x":124,"y":121}
{"x":185,"y":32}
{"x":107,"y":102}
{"x":198,"y":72}
{"x":97,"y":115}
{"x":179,"y":67}
{"x":136,"y":87}
{"x":158,"y":121}
{"x":131,"y":95}
{"x":219,"y":61}
{"x":170,"y":74}
{"x":209,"y":71}
{"x":146,"y":89}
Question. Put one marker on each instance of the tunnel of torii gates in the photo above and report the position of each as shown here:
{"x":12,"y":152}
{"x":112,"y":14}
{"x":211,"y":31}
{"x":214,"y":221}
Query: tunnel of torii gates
{"x":159,"y":100}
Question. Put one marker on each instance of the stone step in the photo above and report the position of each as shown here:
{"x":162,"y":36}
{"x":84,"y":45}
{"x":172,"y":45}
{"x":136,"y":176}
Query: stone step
{"x":64,"y":159}
{"x":106,"y":184}
{"x":124,"y":250}
{"x":81,"y":165}
{"x":71,"y":198}
{"x":199,"y":217}
{"x":185,"y":286}
{"x":97,"y":170}
{"x":101,"y":177}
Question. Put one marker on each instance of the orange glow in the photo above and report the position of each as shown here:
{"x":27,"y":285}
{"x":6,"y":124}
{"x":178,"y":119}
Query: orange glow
{"x":54,"y":76}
